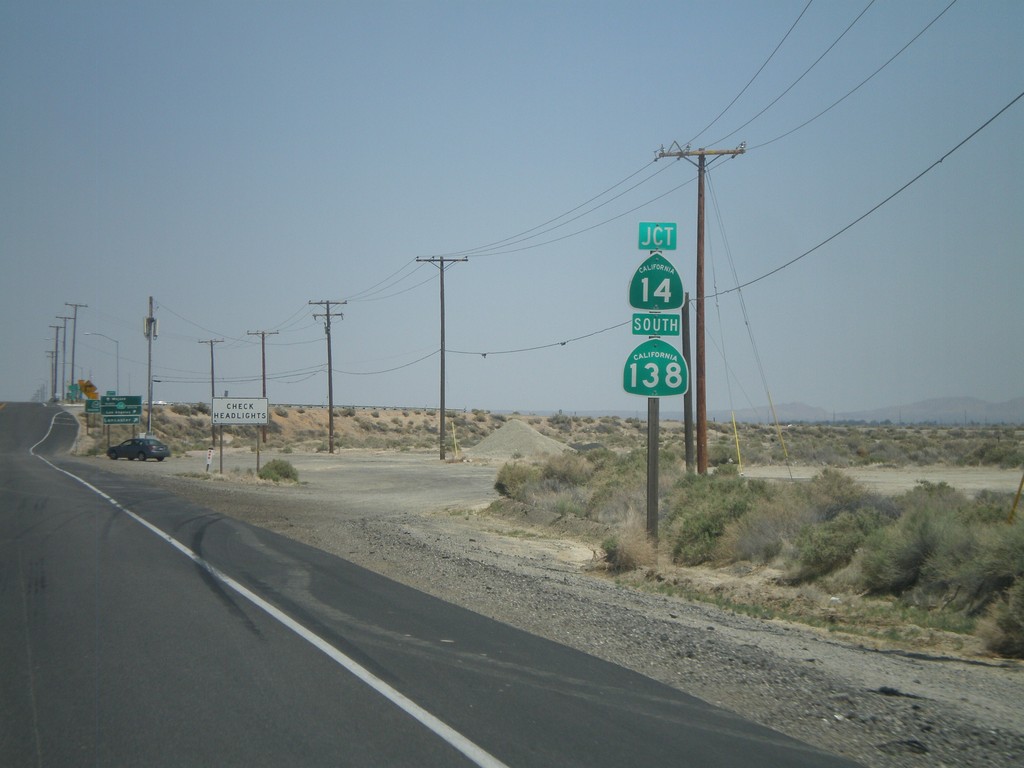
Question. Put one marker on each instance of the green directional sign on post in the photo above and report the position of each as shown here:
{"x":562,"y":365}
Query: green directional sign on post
{"x":656,"y":285}
{"x":121,"y":409}
{"x":656,"y":324}
{"x":655,"y":369}
{"x":657,"y":236}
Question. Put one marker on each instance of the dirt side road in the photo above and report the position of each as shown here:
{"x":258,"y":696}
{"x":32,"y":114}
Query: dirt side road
{"x":894,"y":480}
{"x":422,"y":522}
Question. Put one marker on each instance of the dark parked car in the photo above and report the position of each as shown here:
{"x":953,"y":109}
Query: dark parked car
{"x":140,"y":448}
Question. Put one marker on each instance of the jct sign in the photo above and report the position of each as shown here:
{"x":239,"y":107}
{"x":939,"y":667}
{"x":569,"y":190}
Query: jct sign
{"x":657,"y":236}
{"x":240,"y":410}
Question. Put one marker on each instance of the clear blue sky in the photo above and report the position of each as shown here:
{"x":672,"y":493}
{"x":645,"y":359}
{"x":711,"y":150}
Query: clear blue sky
{"x":236,"y":160}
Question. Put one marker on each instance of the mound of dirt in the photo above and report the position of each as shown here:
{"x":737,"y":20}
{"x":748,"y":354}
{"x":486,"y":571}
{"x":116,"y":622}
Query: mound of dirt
{"x":516,"y":439}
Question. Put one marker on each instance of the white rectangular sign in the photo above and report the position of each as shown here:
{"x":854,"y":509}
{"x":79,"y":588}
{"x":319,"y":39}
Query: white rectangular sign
{"x":240,"y":410}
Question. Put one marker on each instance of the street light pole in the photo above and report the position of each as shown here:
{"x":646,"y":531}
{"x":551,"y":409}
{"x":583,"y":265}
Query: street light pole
{"x":117,"y":353}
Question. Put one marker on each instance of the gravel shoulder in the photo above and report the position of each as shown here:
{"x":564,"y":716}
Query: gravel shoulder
{"x":426,"y":524}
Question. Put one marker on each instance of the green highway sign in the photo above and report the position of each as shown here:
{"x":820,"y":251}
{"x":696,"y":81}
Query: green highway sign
{"x":655,"y":369}
{"x":92,"y":406}
{"x":656,"y":285}
{"x":657,"y":236}
{"x":656,"y":324}
{"x":133,"y":419}
{"x":120,"y":404}
{"x":121,"y":409}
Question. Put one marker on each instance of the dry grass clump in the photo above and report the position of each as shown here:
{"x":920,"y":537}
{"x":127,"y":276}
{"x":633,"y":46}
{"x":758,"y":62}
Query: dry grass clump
{"x":630,"y":548}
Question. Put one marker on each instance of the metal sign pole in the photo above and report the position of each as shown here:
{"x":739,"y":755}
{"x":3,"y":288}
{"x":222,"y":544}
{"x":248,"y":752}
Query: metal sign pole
{"x":653,"y":429}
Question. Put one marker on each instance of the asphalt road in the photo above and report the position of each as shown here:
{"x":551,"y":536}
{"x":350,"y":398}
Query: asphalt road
{"x":139,"y":629}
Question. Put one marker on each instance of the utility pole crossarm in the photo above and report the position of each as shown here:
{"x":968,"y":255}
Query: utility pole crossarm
{"x":676,"y":151}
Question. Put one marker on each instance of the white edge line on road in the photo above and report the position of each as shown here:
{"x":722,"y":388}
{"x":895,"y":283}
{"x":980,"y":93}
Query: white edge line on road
{"x":459,"y":742}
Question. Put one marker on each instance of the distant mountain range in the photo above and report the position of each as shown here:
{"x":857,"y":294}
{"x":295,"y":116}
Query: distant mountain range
{"x":945,"y":410}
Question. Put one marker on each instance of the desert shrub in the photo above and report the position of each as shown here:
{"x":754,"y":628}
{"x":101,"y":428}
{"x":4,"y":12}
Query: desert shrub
{"x":893,"y":557}
{"x":1002,"y":630}
{"x":282,"y":412}
{"x":701,"y":506}
{"x":832,"y":492}
{"x":202,"y":408}
{"x":763,"y":533}
{"x":721,"y":453}
{"x":999,"y":452}
{"x":697,"y":534}
{"x":628,"y":549}
{"x":514,"y":478}
{"x":975,"y":576}
{"x":989,"y":507}
{"x":828,"y":546}
{"x":935,"y":497}
{"x":561,"y":422}
{"x":182,"y":409}
{"x":569,"y":503}
{"x":279,"y":470}
{"x":569,"y":468}
{"x":930,"y":532}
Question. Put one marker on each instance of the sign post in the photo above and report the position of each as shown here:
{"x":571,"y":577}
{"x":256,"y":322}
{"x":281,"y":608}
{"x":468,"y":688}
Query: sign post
{"x":655,"y":369}
{"x":247,"y":411}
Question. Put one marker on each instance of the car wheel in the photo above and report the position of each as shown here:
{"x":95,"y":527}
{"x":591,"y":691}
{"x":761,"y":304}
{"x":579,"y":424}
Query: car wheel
{"x":159,"y":458}
{"x":112,"y":455}
{"x":141,"y":456}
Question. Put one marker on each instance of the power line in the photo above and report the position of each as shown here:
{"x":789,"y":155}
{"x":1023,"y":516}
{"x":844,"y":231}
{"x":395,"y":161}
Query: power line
{"x":540,"y":346}
{"x":756,"y":74}
{"x":777,"y":269}
{"x":863,"y":216}
{"x":505,"y":249}
{"x":390,"y":370}
{"x":516,"y":237}
{"x":792,"y":85}
{"x":859,"y":85}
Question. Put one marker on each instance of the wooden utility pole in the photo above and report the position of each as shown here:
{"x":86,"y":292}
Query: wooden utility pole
{"x":688,"y":396}
{"x":440,"y":262}
{"x":327,"y":315}
{"x":263,"y":354}
{"x":74,"y":335}
{"x":213,"y":393}
{"x":701,"y":154}
{"x":64,"y":358}
{"x":149,"y":330}
{"x":53,"y":372}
